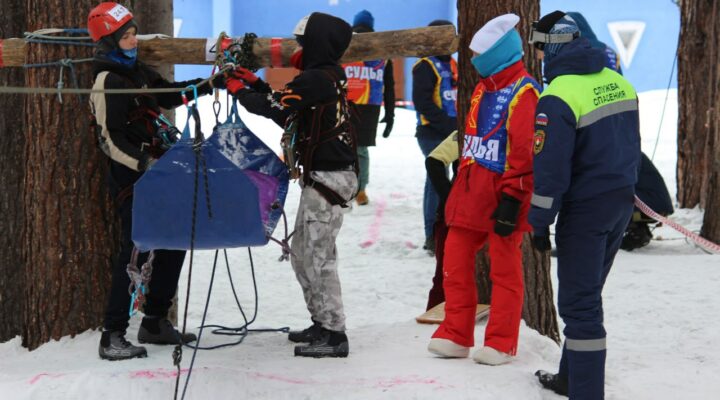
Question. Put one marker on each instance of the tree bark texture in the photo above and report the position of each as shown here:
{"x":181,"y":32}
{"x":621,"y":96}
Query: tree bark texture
{"x":711,"y":221}
{"x":698,"y":59}
{"x":69,"y":229}
{"x":538,"y":308}
{"x":12,"y":165}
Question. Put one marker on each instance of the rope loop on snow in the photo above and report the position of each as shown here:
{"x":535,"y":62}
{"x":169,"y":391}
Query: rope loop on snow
{"x":700,"y":241}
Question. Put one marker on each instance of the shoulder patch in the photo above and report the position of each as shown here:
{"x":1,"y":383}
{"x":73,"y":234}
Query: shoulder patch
{"x":541,"y":119}
{"x":538,"y":141}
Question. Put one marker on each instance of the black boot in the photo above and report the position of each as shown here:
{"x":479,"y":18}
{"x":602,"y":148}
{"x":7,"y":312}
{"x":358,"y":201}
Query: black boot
{"x":156,"y":330}
{"x":330,"y":344}
{"x":307,"y":335}
{"x":114,"y":346}
{"x":429,"y":245}
{"x":553,"y":382}
{"x":637,"y":235}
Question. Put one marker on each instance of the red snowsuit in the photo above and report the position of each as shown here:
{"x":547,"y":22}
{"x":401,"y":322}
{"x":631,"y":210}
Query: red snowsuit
{"x":474,"y":197}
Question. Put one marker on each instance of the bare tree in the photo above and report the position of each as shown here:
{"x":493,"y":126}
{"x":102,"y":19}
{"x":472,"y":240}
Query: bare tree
{"x":12,"y":165}
{"x":538,"y":309}
{"x":698,"y":56}
{"x":698,"y":169}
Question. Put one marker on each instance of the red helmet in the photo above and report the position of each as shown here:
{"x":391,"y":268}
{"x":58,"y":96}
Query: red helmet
{"x":107,"y":18}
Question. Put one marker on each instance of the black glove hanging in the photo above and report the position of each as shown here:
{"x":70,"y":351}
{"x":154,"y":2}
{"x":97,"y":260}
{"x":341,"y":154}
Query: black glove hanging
{"x":506,"y":215}
{"x":389,"y":122}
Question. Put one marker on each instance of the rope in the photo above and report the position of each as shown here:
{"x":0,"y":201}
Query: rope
{"x":700,"y":241}
{"x":207,"y":304}
{"x":662,"y":114}
{"x":33,"y":90}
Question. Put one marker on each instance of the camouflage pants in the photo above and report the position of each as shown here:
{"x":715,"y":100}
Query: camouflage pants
{"x":314,"y":254}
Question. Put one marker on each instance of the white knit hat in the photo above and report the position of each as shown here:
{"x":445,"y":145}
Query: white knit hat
{"x":492,"y":31}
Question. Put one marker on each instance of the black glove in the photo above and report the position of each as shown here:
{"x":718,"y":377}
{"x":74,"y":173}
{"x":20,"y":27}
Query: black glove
{"x":389,"y":121}
{"x":218,"y":82}
{"x":541,"y":239}
{"x":506,"y":215}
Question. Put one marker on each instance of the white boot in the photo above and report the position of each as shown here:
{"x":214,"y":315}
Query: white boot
{"x":490,"y":356}
{"x":447,"y":348}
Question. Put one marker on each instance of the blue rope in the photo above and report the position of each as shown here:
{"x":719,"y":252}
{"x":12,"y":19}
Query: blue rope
{"x":63,"y":42}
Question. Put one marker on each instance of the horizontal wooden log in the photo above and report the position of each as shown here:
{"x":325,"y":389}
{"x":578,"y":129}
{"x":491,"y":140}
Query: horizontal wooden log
{"x":418,"y":42}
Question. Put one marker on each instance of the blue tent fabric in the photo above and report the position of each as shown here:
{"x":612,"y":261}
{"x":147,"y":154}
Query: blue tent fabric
{"x":246,"y":183}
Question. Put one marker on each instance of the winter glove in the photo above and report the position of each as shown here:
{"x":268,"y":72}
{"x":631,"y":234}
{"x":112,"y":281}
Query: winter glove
{"x":506,"y":215}
{"x":389,"y":121}
{"x":244,"y":74}
{"x":234,"y":85}
{"x":218,"y":82}
{"x":541,"y":239}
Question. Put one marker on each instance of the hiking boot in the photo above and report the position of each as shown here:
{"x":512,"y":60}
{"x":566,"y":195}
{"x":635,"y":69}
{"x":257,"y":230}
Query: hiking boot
{"x":329,"y":344}
{"x":156,"y":330}
{"x":362,"y":198}
{"x":553,"y":382}
{"x":637,"y":235}
{"x":307,"y":335}
{"x":114,"y":346}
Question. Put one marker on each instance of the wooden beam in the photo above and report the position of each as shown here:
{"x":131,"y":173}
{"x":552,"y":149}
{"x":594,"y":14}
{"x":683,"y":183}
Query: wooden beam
{"x":418,"y":42}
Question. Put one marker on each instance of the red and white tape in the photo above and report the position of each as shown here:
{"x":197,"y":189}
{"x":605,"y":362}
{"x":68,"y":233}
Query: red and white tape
{"x":700,"y":241}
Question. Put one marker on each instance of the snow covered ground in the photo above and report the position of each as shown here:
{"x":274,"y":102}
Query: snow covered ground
{"x":661,"y":312}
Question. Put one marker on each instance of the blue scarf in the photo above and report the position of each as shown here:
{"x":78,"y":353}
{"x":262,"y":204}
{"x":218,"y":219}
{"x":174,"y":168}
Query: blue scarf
{"x":504,"y":53}
{"x":123,"y":57}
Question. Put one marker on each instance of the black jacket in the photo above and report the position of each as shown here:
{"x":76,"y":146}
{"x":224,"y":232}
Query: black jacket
{"x":369,"y":114}
{"x":424,"y":81}
{"x":312,"y":95}
{"x":125,"y":130}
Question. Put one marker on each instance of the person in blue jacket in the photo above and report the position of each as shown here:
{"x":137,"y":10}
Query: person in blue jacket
{"x":650,"y":188}
{"x":587,"y":150}
{"x":434,"y":94}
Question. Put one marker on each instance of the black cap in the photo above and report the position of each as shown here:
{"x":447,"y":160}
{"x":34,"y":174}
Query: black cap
{"x":548,"y":21}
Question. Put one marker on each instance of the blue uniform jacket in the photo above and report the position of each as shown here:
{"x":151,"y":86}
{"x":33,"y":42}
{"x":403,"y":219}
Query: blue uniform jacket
{"x":587,"y":138}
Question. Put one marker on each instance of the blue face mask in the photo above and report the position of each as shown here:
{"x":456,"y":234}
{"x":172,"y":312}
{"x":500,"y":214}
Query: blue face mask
{"x":132,"y":53}
{"x":123,"y":57}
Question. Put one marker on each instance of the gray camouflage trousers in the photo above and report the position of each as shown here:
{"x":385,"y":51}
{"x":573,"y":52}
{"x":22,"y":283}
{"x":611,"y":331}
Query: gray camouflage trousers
{"x":314,"y":254}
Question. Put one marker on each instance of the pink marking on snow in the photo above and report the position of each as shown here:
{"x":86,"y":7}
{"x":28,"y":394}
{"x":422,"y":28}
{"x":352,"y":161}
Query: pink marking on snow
{"x":374,"y":231}
{"x":410,"y":245}
{"x":409,"y":380}
{"x":37,"y":377}
{"x":279,"y":378}
{"x":155,"y":374}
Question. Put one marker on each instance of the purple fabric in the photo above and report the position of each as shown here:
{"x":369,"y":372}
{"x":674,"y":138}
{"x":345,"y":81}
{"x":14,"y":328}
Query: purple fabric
{"x":267,"y":187}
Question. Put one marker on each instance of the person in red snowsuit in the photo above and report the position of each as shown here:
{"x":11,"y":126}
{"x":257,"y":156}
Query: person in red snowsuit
{"x":490,"y":198}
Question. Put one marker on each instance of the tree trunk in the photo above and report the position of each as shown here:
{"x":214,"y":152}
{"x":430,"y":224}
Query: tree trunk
{"x":69,"y":234}
{"x":538,"y":308}
{"x":711,"y":222}
{"x":417,"y":42}
{"x":698,"y":56}
{"x":12,"y":165}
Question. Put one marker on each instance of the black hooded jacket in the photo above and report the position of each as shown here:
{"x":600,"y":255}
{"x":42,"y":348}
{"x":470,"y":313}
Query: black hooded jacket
{"x":125,"y":131}
{"x":324,"y":42}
